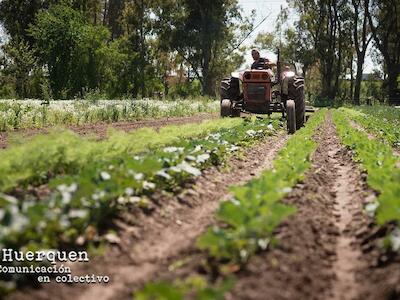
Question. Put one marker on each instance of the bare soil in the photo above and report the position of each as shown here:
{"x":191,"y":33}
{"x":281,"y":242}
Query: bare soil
{"x":150,"y":243}
{"x":100,"y":129}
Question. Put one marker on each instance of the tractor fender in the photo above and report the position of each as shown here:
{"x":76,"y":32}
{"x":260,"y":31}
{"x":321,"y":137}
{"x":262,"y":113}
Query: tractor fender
{"x":285,"y":82}
{"x":285,"y":86}
{"x":235,"y":75}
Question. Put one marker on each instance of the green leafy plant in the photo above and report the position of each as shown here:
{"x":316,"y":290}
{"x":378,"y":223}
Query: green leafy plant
{"x":63,"y":152}
{"x":194,"y":287}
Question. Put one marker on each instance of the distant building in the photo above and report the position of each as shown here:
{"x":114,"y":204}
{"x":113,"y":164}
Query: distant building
{"x":176,"y":77}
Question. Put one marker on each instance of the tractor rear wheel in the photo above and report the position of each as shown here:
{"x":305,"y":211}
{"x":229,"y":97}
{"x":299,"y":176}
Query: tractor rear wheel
{"x":230,"y":89}
{"x":296,"y":93}
{"x":226,"y":108}
{"x":291,"y":116}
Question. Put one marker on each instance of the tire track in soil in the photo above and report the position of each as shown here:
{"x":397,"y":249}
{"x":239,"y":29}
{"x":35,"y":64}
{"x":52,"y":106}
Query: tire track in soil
{"x":163,"y":237}
{"x":317,"y":256}
{"x":100,"y":129}
{"x":346,"y":207}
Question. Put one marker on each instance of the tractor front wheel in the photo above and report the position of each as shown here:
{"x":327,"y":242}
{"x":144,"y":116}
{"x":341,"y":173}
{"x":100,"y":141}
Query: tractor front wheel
{"x":226,"y":108}
{"x":291,"y":116}
{"x":296,"y":93}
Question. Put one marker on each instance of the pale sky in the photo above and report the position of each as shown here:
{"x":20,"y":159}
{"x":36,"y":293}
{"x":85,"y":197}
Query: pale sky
{"x":1,"y":35}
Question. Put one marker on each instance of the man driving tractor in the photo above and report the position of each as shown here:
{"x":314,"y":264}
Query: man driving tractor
{"x":259,"y":62}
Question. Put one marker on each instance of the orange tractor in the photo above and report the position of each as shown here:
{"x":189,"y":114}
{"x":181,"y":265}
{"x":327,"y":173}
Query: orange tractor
{"x":259,"y":91}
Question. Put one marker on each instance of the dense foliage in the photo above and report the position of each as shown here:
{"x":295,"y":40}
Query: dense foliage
{"x":65,"y":48}
{"x":120,"y":48}
{"x":330,"y":39}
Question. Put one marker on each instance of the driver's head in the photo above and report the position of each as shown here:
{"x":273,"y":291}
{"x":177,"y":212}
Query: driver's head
{"x":255,"y":53}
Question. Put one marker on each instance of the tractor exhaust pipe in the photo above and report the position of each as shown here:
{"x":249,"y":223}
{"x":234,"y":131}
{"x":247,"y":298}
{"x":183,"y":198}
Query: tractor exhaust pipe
{"x":278,"y":66}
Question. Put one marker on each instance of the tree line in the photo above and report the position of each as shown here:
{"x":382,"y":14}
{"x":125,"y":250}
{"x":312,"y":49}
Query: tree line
{"x":132,"y":48}
{"x":120,"y":48}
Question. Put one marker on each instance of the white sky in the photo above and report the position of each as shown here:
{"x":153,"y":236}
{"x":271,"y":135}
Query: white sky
{"x":1,"y":34}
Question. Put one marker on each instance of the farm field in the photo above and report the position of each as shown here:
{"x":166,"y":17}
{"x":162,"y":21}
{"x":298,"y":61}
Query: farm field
{"x":212,"y":208}
{"x":200,"y":150}
{"x":22,"y":114}
{"x":21,"y":119}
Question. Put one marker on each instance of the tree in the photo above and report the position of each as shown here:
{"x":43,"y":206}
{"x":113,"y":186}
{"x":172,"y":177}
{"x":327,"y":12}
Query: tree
{"x":69,"y":47}
{"x":361,"y":39}
{"x":204,"y":34}
{"x":93,"y":10}
{"x":113,"y":17}
{"x":18,"y":15}
{"x":321,"y":26}
{"x":384,"y":20}
{"x":19,"y":62}
{"x":138,"y":26}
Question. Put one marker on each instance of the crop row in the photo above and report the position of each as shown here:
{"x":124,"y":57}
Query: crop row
{"x":79,"y":206}
{"x":377,"y":159}
{"x":383,"y":122}
{"x":246,"y":222}
{"x":17,"y":114}
{"x":63,"y":152}
{"x":389,"y":113}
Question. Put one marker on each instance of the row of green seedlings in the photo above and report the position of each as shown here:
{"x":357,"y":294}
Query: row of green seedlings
{"x":18,"y":115}
{"x":381,"y":165}
{"x":35,"y":161}
{"x":384,"y":122}
{"x":246,"y":223}
{"x":79,"y":207}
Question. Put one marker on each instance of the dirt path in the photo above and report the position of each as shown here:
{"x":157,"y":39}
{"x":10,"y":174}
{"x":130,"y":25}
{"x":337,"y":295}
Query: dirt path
{"x":100,"y":129}
{"x":151,"y":243}
{"x":318,"y":255}
{"x":348,"y":257}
